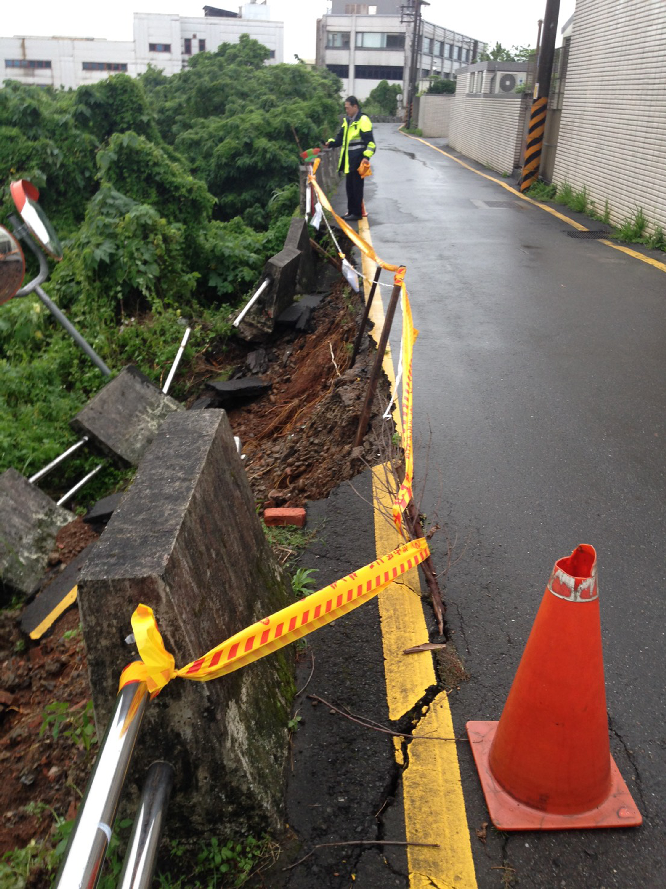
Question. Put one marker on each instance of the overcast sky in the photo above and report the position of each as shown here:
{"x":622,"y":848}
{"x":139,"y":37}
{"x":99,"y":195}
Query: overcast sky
{"x":512,"y":23}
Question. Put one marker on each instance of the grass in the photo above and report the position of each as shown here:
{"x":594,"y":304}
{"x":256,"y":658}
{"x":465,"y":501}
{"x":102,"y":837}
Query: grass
{"x":634,"y":230}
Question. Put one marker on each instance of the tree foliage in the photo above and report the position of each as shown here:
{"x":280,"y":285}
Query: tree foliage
{"x":500,"y":54}
{"x":442,"y":85}
{"x":170,"y":194}
{"x":383,"y":99}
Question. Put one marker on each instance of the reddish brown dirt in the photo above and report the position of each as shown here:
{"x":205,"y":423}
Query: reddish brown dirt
{"x":298,"y":441}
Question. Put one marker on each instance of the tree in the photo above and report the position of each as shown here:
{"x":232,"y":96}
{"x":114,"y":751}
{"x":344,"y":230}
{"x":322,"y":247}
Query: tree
{"x":499,"y":54}
{"x":442,"y":85}
{"x":383,"y":99}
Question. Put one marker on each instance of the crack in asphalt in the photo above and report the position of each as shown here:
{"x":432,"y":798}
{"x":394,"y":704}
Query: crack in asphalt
{"x":462,"y":627}
{"x":630,"y":757}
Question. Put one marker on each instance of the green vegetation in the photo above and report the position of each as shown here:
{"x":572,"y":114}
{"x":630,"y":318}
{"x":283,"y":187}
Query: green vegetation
{"x":169,"y":195}
{"x":76,"y":724}
{"x":440,"y":85}
{"x":215,"y":865}
{"x":383,"y":100}
{"x":633,"y":230}
{"x":302,"y":582}
{"x":414,"y":131}
{"x":500,"y":54}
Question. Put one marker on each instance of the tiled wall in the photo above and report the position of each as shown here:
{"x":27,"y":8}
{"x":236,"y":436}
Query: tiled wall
{"x":612,"y":138}
{"x":488,"y":129}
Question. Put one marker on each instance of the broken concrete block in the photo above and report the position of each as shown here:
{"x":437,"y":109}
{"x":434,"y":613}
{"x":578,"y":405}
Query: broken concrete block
{"x":298,"y":237}
{"x":259,"y":322}
{"x":47,"y":606}
{"x":296,"y":317}
{"x":228,"y":393}
{"x":187,"y":541}
{"x":123,"y":418}
{"x":202,"y":403}
{"x":103,"y":509}
{"x":294,"y":516}
{"x":29,"y":522}
{"x":257,"y":361}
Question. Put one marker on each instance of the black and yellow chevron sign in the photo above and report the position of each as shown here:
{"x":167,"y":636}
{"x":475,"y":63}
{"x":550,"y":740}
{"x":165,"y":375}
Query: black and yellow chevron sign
{"x":534,"y":142}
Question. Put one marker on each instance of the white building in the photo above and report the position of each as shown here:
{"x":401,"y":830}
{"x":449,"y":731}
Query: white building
{"x":366,"y":43}
{"x":162,"y":40}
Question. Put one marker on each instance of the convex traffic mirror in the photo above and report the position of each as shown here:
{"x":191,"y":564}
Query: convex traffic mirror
{"x":12,"y":265}
{"x":25,"y":196}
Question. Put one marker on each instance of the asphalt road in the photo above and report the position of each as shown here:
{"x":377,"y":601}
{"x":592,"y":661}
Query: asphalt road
{"x":539,"y":423}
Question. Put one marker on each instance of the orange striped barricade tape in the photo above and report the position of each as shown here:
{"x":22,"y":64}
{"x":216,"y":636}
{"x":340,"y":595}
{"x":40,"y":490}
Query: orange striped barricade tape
{"x":157,"y":666}
{"x":409,"y":334}
{"x":353,"y":236}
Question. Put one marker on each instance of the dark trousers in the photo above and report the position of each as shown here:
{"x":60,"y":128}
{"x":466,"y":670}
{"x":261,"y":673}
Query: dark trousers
{"x":354,"y":193}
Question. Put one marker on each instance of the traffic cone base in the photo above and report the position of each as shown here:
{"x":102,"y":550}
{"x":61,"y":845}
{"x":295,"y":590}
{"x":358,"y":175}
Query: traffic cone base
{"x":507,"y":813}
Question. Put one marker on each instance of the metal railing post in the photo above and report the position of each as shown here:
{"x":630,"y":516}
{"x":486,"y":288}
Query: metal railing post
{"x":91,"y":834}
{"x":141,"y":857}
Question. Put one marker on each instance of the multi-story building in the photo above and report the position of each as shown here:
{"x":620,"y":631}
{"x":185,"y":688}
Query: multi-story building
{"x":165,"y":41}
{"x":365,"y":43}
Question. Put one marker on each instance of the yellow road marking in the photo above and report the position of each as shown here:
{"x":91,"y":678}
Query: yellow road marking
{"x":433,"y":800}
{"x":401,"y":613}
{"x":53,"y":616}
{"x":377,"y":313}
{"x":581,"y":228}
{"x":435,"y":807}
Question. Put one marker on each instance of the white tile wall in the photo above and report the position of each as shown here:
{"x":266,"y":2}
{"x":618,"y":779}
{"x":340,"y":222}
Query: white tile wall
{"x":487,"y":129}
{"x":613,"y":131}
{"x":435,"y":114}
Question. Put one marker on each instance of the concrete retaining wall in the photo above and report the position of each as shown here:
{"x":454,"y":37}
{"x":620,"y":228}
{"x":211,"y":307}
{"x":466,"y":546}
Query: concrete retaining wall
{"x":186,"y":541}
{"x":612,"y":138}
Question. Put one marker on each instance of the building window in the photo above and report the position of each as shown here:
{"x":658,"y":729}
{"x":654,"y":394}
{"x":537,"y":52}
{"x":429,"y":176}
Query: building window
{"x":360,"y":9}
{"x":104,"y":66}
{"x":427,"y":45}
{"x":458,"y":52}
{"x":439,"y":48}
{"x":372,"y":40}
{"x":202,"y":46}
{"x":378,"y":72}
{"x":271,"y":53}
{"x":337,"y":39}
{"x":448,"y":50}
{"x":341,"y":70}
{"x":27,"y":63}
{"x":159,"y":47}
{"x":187,"y":50}
{"x":467,"y":54}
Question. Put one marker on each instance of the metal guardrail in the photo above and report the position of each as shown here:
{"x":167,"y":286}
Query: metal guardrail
{"x":91,"y":834}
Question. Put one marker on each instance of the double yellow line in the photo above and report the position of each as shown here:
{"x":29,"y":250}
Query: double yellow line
{"x":434,"y":806}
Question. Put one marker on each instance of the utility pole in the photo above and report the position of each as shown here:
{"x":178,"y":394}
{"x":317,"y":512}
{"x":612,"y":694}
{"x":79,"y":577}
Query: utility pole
{"x":412,"y":13}
{"x":540,"y":101}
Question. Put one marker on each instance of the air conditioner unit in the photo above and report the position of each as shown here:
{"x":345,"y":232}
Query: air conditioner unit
{"x":506,"y":83}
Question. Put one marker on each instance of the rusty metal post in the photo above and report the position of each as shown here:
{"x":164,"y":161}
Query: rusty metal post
{"x":359,"y":335}
{"x":377,"y":367}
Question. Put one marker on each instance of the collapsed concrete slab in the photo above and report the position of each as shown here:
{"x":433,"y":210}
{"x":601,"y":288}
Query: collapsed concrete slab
{"x":230,"y":393}
{"x":260,"y":321}
{"x":186,"y":541}
{"x":123,"y":418}
{"x":29,"y":522}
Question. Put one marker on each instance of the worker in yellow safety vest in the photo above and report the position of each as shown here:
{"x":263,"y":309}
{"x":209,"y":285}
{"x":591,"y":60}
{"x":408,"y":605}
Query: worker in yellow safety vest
{"x":358,"y":145}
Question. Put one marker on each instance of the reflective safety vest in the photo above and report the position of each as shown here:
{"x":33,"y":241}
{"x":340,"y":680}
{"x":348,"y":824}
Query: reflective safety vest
{"x":357,"y":141}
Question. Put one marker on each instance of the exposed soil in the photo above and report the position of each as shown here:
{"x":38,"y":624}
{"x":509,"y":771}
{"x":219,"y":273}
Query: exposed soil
{"x":298,"y":441}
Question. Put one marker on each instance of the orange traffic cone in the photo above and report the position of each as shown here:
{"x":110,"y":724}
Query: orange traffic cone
{"x":547,"y":765}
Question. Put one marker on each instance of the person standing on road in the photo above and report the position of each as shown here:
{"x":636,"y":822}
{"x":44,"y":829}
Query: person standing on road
{"x":358,"y":145}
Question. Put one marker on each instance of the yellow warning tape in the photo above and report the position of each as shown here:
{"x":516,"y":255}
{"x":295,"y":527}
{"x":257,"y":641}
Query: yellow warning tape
{"x":157,"y":666}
